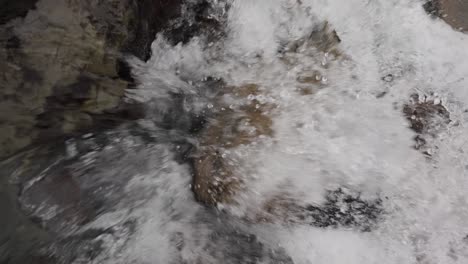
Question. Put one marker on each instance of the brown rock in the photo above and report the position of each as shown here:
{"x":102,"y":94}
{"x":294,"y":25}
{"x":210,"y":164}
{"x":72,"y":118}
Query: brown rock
{"x":321,"y":47}
{"x":454,"y":12}
{"x":214,"y":177}
{"x":426,"y":117}
{"x":214,"y":181}
{"x":61,"y":63}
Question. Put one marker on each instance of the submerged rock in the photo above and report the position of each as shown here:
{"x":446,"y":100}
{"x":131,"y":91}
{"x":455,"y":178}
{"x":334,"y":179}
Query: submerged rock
{"x":57,"y":190}
{"x":236,"y":117}
{"x":93,"y":199}
{"x":321,"y":46}
{"x":201,"y":19}
{"x":422,"y":114}
{"x":342,"y":209}
{"x":230,"y":126}
{"x":427,"y":117}
{"x":321,"y":39}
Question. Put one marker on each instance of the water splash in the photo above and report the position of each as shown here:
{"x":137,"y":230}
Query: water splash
{"x":340,"y":159}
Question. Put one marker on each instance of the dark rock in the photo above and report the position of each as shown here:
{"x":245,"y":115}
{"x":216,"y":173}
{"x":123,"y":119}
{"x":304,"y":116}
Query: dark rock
{"x":52,"y":192}
{"x":231,"y":242}
{"x":200,"y":19}
{"x":149,"y":17}
{"x":62,"y":190}
{"x":426,"y":118}
{"x":342,"y":209}
{"x":422,"y":114}
{"x":388,"y":78}
{"x":244,"y":248}
{"x":432,"y":7}
{"x":11,"y":9}
{"x":88,"y":245}
{"x":63,"y":68}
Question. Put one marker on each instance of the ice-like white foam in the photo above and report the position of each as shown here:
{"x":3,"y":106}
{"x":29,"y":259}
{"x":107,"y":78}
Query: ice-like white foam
{"x":343,"y":135}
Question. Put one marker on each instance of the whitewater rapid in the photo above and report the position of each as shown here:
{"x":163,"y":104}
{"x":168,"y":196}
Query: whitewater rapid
{"x":344,"y":135}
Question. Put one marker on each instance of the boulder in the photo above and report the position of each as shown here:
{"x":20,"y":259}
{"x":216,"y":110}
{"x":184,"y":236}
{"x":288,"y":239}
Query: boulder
{"x":238,"y":118}
{"x":228,"y":127}
{"x":454,"y":12}
{"x":52,"y":193}
{"x":427,"y":117}
{"x":343,"y":208}
{"x":63,"y":64}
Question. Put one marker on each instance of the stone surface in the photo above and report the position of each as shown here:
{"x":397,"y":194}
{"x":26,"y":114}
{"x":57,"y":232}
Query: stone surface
{"x":201,"y":19}
{"x":84,"y":201}
{"x":229,"y":126}
{"x":427,"y":117}
{"x":11,"y":9}
{"x":53,"y":191}
{"x":62,"y":63}
{"x":454,"y":12}
{"x":342,"y":208}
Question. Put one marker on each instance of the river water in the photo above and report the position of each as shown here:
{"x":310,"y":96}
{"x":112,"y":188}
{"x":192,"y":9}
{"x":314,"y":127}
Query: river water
{"x":347,"y":134}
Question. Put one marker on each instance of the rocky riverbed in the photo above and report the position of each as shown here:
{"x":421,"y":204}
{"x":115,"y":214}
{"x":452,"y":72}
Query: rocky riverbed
{"x":198,"y":131}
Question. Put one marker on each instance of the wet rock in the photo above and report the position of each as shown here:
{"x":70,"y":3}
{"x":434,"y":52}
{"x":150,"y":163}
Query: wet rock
{"x":88,"y":246}
{"x":421,"y":114}
{"x":231,"y":242}
{"x":322,"y":38}
{"x":62,"y":63}
{"x":230,"y":126}
{"x":345,"y":209}
{"x":454,"y":12}
{"x":388,"y":78}
{"x":20,"y":238}
{"x":12,"y":9}
{"x":201,"y":19}
{"x":342,"y":209}
{"x":213,"y":179}
{"x":321,"y":47}
{"x":147,"y":18}
{"x":56,"y":200}
{"x":427,"y":117}
{"x":244,"y":248}
{"x":325,"y":39}
{"x":55,"y":191}
{"x":432,"y":7}
{"x":90,"y":196}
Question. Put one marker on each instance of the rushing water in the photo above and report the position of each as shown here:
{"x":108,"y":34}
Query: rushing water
{"x":349,"y":134}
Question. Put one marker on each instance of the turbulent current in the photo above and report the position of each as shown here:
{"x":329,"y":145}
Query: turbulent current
{"x":335,"y":168}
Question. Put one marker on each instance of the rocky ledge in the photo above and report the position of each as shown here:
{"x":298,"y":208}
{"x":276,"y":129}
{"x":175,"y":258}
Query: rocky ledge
{"x":63,"y":67}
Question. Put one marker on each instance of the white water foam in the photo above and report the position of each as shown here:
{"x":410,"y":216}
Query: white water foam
{"x":341,"y":136}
